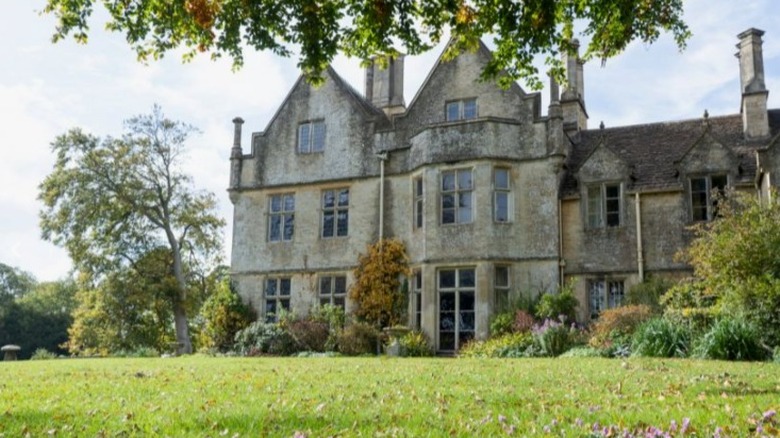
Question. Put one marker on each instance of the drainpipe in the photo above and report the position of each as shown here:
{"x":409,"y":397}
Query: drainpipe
{"x":639,"y":259}
{"x":382,"y":156}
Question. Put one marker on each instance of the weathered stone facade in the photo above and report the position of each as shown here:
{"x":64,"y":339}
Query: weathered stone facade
{"x":491,"y":198}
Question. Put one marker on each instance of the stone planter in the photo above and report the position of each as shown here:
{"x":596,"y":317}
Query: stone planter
{"x":10,"y":351}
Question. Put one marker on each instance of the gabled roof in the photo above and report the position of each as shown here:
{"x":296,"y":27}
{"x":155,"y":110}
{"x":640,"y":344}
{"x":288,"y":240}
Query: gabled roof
{"x":365,"y":106}
{"x":652,"y":150}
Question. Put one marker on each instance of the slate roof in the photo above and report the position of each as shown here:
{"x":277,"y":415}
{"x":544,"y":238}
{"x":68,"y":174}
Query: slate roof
{"x":653,"y":150}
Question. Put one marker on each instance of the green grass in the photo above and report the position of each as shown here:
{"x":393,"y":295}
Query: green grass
{"x":200,"y":396}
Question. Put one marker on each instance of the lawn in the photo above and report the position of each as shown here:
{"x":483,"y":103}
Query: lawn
{"x":202,"y":396}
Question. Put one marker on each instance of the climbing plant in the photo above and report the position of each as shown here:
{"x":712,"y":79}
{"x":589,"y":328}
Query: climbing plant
{"x":378,"y":287}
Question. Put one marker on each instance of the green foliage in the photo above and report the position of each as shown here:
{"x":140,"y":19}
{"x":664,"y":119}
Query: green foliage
{"x":358,"y":339}
{"x":582,"y":352}
{"x":265,"y":338}
{"x":136,"y":353}
{"x":43,"y":354}
{"x":649,"y":292}
{"x":553,"y":305}
{"x":660,"y":337}
{"x":376,"y":291}
{"x":506,"y":345}
{"x":731,"y":339}
{"x":224,"y":314}
{"x":614,"y":328}
{"x":415,"y":344}
{"x":111,"y":202}
{"x":502,"y":323}
{"x":14,"y":282}
{"x":309,"y":334}
{"x":554,"y":338}
{"x":364,"y":29}
{"x":335,"y":318}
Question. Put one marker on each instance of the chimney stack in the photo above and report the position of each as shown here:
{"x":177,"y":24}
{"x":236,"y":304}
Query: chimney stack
{"x":575,"y":117}
{"x":385,"y":86}
{"x":755,"y":120}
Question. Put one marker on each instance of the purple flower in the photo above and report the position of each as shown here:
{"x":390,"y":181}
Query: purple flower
{"x":718,"y":433}
{"x":673,"y":426}
{"x":578,"y":422}
{"x":686,"y":422}
{"x":769,"y":414}
{"x":501,"y":418}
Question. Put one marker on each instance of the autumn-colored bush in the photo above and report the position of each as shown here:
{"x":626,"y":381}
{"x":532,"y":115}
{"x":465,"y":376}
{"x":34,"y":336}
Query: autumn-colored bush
{"x":523,"y":322}
{"x":358,"y":339}
{"x":376,"y":291}
{"x":615,"y":327}
{"x":309,"y":334}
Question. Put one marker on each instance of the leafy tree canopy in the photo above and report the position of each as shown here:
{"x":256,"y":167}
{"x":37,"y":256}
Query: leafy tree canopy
{"x":14,"y":282}
{"x":112,"y":202}
{"x":321,"y":29}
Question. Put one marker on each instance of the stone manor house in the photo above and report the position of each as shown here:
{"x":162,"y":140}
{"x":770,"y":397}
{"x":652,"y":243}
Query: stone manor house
{"x":491,"y":197}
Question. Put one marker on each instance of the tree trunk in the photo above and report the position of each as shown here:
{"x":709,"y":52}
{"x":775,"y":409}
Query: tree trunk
{"x":184,"y":346}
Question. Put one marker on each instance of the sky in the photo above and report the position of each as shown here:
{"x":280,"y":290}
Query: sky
{"x":46,"y":89}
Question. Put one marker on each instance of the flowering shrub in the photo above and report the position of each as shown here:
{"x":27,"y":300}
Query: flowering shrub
{"x":415,"y":344}
{"x":553,"y":305}
{"x":508,"y":345}
{"x":524,"y":322}
{"x":614,"y":328}
{"x":555,"y":337}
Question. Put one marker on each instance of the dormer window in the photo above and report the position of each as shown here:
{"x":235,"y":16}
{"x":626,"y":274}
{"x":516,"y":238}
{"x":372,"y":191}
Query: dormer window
{"x":463,"y":109}
{"x":604,"y":205}
{"x":311,"y":137}
{"x":703,"y":205}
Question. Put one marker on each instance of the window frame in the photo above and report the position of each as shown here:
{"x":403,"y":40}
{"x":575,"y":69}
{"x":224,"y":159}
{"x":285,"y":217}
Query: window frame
{"x":335,"y":210}
{"x":505,"y":191}
{"x":416,"y":309}
{"x":310,"y":143}
{"x":457,"y":195}
{"x":606,"y":296}
{"x":283,"y":214}
{"x":418,"y":199}
{"x":501,"y":292}
{"x":331,"y":296}
{"x":458,"y":290}
{"x":602,"y":211}
{"x":277,"y":298}
{"x":710,"y":206}
{"x":461,"y":108}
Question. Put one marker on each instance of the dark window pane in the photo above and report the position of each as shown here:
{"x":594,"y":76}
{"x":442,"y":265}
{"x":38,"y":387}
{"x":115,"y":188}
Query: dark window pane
{"x":448,"y":181}
{"x":303,"y":138}
{"x":453,"y":111}
{"x":284,"y":286}
{"x":418,"y":219}
{"x":270,"y":288}
{"x":447,"y":201}
{"x":289,"y":226}
{"x":464,"y":179}
{"x":339,"y":302}
{"x":285,"y":304}
{"x":270,"y":307}
{"x":698,"y":185}
{"x":447,"y":278}
{"x":502,"y":179}
{"x":275,"y":228}
{"x":464,"y":338}
{"x":447,"y":321}
{"x":340,"y":285}
{"x":447,"y":302}
{"x":328,"y":199}
{"x":466,"y":322}
{"x":501,"y":276}
{"x":467,"y":301}
{"x":464,"y":212}
{"x":327,"y":224}
{"x":418,"y":187}
{"x":318,"y":137}
{"x":343,"y":223}
{"x":276,"y":204}
{"x":324,"y":301}
{"x":418,"y":280}
{"x":613,"y":191}
{"x":289,"y":203}
{"x":447,"y":341}
{"x":325,"y":286}
{"x":466,"y":278}
{"x":613,"y":219}
{"x":719,"y":182}
{"x":502,"y":207}
{"x":470,"y":108}
{"x":344,"y":198}
{"x":448,"y":216}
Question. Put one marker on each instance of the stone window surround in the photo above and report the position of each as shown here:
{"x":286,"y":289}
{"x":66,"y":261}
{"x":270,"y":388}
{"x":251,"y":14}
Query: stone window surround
{"x":311,"y":145}
{"x":605,"y":212}
{"x":336,"y":293}
{"x":502,"y":291}
{"x":505,"y":191}
{"x":279,"y":299}
{"x":283,"y":213}
{"x":457,"y":192}
{"x":710,"y":204}
{"x":607,"y":301}
{"x":336,"y":210}
{"x":418,"y":197}
{"x":416,"y":305}
{"x":461,"y":108}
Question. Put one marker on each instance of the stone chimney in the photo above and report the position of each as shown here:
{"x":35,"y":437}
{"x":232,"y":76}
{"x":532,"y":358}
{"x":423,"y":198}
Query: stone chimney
{"x":575,"y":117}
{"x":755,"y":120}
{"x":385,"y":86}
{"x":235,"y":159}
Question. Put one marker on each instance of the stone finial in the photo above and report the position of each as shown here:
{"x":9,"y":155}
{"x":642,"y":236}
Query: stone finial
{"x":601,"y":125}
{"x":237,"y":122}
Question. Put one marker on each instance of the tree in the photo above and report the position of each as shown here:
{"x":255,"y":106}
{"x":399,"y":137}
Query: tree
{"x":319,"y":30}
{"x":735,"y":265}
{"x":224,"y":314}
{"x":14,"y":282}
{"x":377,"y":288}
{"x":111,"y":202}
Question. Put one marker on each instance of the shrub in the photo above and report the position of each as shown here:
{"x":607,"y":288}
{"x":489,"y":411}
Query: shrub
{"x":335,"y":317}
{"x":776,"y":355}
{"x":649,"y":293}
{"x":731,"y":339}
{"x":614,"y":328}
{"x":224,"y":314}
{"x":377,"y":289}
{"x":415,"y":344}
{"x":524,"y":321}
{"x":583,"y":352}
{"x":553,"y":305}
{"x":309,"y":334}
{"x":554,"y":337}
{"x":138,"y":352}
{"x":265,"y":338}
{"x":358,"y":339}
{"x":502,"y":323}
{"x":660,"y":337}
{"x":507,"y":345}
{"x":43,"y":354}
